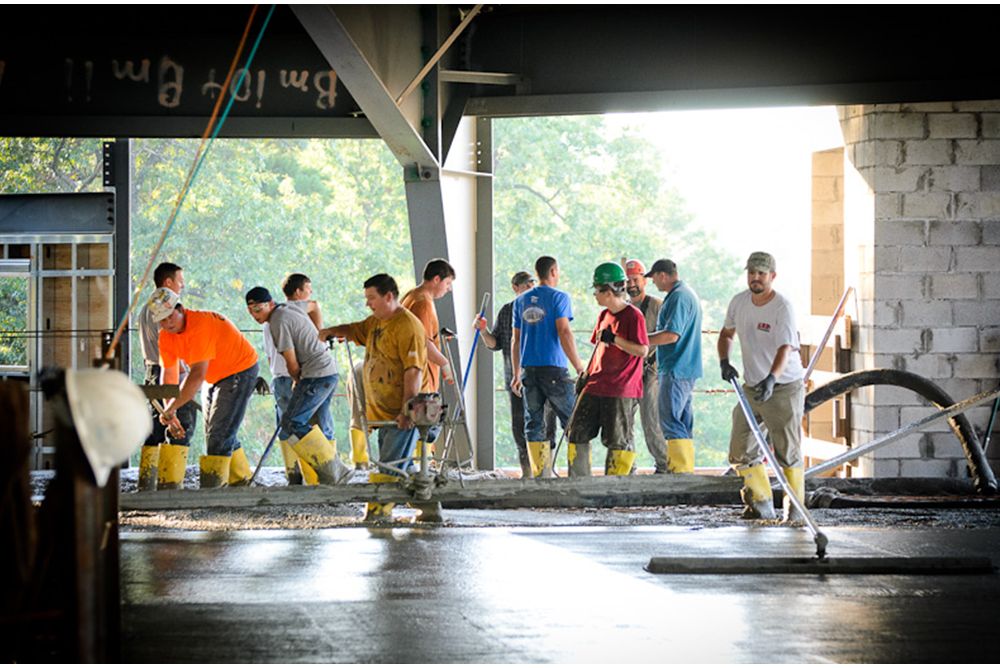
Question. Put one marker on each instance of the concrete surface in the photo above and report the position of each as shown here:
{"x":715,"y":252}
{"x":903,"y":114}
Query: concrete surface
{"x":538,"y":594}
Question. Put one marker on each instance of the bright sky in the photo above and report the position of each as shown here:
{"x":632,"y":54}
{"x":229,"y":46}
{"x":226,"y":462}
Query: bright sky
{"x":746,"y":175}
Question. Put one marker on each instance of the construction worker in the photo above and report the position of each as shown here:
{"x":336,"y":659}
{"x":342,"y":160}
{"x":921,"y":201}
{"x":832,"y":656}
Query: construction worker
{"x":499,"y":339}
{"x":764,"y":321}
{"x":678,"y":358}
{"x":163,"y":461}
{"x":541,"y":345}
{"x":298,"y":291}
{"x":649,"y":306}
{"x":395,"y":357}
{"x":219,"y":355}
{"x":437,"y":281}
{"x":309,"y":451}
{"x":613,"y":384}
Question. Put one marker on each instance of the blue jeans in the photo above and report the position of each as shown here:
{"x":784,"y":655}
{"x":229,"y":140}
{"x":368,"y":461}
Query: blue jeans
{"x":397,"y":445}
{"x":676,"y":411}
{"x":187,"y":414}
{"x":310,"y":396}
{"x":226,"y":406}
{"x":281,"y":388}
{"x":543,"y":383}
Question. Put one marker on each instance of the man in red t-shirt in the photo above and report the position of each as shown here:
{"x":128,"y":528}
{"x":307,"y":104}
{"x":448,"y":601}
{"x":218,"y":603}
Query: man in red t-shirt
{"x":613,"y":383}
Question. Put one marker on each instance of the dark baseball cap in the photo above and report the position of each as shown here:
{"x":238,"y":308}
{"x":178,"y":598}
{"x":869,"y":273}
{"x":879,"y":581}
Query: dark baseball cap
{"x":258,"y":295}
{"x":667,"y":266}
{"x":522,"y":278}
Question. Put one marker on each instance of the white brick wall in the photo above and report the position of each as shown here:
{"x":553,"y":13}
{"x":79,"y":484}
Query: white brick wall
{"x":932,"y":304}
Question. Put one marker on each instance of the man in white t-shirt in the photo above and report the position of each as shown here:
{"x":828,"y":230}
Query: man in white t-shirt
{"x":772,"y":373}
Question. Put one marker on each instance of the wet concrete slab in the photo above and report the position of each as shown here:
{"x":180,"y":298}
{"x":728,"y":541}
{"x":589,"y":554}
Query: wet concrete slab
{"x":535,"y":594}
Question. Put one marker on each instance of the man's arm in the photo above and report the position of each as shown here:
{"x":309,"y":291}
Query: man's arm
{"x":292,"y":361}
{"x":724,"y":347}
{"x":436,"y":357}
{"x":485,"y":334}
{"x":338,"y":331}
{"x":515,"y":360}
{"x":188,"y":391}
{"x":780,"y":360}
{"x":663,"y":338}
{"x":312,"y":310}
{"x":411,"y":388}
{"x":631,"y":347}
{"x":569,"y":344}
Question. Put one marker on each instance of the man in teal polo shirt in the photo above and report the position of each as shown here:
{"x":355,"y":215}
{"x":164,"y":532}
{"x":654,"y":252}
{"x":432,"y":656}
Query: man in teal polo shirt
{"x":678,"y":358}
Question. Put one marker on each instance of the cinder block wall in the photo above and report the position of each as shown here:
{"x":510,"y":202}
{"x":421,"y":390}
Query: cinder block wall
{"x":922,"y":244}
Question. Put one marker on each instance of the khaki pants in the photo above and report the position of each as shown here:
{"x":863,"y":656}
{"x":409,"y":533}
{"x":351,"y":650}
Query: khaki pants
{"x":782,"y":415}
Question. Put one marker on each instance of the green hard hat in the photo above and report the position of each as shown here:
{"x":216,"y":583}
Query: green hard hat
{"x":608,"y":273}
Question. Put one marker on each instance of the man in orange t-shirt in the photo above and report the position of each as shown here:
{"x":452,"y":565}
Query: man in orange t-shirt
{"x":438,"y":277}
{"x":220,"y":355}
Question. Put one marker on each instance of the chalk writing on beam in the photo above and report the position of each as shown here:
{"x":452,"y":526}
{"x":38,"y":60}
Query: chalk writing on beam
{"x":294,"y":79}
{"x":246,"y":86}
{"x":170,"y":82}
{"x":128,"y":70}
{"x":326,"y":83}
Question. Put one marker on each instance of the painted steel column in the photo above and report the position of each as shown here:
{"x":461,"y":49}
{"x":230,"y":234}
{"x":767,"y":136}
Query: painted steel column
{"x":485,"y":395}
{"x":122,"y":244}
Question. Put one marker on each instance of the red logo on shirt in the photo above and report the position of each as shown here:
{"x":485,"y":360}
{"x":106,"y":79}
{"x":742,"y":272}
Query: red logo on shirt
{"x":764,"y":327}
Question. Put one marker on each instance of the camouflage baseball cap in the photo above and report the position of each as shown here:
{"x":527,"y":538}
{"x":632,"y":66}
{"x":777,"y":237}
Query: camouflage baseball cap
{"x":162,"y":303}
{"x":761,"y":261}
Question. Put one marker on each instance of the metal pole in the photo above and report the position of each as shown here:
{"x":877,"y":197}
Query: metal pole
{"x":942,"y":414}
{"x":826,"y":337}
{"x":818,"y":536}
{"x":475,"y":341}
{"x":437,"y":55}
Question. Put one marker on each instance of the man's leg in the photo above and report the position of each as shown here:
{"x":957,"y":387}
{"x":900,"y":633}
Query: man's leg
{"x":310,"y":442}
{"x":517,"y":430}
{"x":586,"y":425}
{"x":649,"y":415}
{"x":746,"y":456}
{"x":616,"y":434}
{"x":359,"y":440}
{"x":782,"y":414}
{"x":149,"y":458}
{"x":539,"y":450}
{"x":675,"y":421}
{"x":394,"y":445}
{"x":226,"y":462}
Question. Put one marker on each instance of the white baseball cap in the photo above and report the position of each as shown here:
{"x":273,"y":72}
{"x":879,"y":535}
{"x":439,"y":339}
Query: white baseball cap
{"x":162,"y":303}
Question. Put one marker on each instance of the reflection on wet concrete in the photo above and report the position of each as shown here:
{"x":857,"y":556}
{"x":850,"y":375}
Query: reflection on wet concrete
{"x":526,"y":595}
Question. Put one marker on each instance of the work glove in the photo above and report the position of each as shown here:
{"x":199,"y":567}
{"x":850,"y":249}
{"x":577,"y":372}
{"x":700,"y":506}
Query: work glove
{"x":765,"y":388}
{"x":728,"y":370}
{"x":607,"y":336}
{"x":581,"y":381}
{"x":262,"y":388}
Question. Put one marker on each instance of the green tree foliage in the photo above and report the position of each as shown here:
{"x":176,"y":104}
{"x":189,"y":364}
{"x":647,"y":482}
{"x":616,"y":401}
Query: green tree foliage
{"x":335,"y":210}
{"x":574,"y":189}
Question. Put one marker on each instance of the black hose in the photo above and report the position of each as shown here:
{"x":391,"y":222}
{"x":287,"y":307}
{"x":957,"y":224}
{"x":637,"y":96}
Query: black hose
{"x":982,"y":476}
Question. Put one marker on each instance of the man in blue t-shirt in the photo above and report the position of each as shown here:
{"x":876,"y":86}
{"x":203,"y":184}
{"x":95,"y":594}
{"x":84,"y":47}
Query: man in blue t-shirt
{"x":678,"y":358}
{"x":541,"y":344}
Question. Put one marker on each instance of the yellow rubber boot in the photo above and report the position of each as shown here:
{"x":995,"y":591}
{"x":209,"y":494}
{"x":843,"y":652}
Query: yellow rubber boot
{"x":756,"y":494}
{"x":319,"y":453}
{"x":376,"y":511}
{"x":578,"y":457}
{"x":214,"y":471}
{"x":359,"y":449}
{"x":619,"y":462}
{"x":796,"y":480}
{"x":173,"y":466}
{"x":680,"y":455}
{"x":149,"y":464}
{"x":239,"y":469}
{"x":540,"y":455}
{"x":292,"y":471}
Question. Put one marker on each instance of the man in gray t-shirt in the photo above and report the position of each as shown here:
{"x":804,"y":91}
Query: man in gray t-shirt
{"x":173,"y":447}
{"x":314,"y":373}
